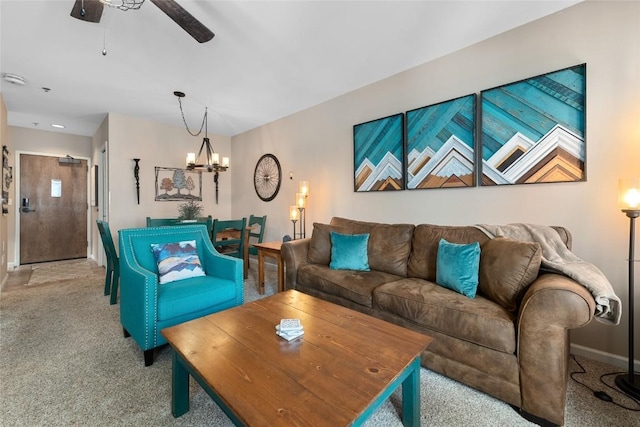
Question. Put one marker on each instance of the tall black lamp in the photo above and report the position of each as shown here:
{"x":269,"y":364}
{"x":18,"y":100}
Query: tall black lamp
{"x":629,"y":200}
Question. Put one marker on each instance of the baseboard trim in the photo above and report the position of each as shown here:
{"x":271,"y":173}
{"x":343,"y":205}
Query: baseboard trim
{"x":604,"y":357}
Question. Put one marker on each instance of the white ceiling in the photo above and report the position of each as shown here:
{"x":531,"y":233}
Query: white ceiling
{"x":268,"y":59}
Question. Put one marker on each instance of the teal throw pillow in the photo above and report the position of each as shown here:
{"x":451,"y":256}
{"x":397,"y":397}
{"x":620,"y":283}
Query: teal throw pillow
{"x":457,"y":267}
{"x":349,"y":252}
{"x":177,"y":261}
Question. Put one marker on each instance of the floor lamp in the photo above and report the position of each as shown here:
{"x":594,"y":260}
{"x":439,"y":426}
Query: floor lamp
{"x":630,"y":204}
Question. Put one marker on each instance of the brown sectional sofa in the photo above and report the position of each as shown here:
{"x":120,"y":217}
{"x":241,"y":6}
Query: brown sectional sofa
{"x":510,"y":341}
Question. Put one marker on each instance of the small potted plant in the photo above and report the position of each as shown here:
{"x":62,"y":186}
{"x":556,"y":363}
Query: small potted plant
{"x":189,"y":211}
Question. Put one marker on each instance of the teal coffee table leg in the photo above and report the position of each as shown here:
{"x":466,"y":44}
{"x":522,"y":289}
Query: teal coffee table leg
{"x":411,"y":396}
{"x":179,"y":387}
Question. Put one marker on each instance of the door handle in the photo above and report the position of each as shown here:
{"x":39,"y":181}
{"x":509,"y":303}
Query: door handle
{"x":25,"y":205}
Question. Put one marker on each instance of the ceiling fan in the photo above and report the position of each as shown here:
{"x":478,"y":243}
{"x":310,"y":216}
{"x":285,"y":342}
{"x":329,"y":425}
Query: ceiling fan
{"x":91,"y":11}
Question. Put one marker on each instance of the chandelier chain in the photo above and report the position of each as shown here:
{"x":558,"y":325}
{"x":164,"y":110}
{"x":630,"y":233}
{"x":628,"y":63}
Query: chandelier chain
{"x":123,"y":4}
{"x":204,"y":120}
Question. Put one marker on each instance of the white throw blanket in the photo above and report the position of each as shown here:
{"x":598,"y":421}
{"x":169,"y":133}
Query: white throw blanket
{"x":557,"y":257}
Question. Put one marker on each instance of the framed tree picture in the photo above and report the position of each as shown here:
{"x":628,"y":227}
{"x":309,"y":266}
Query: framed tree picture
{"x":378,"y":154}
{"x":440,"y":149}
{"x":533,"y":131}
{"x":174,"y":184}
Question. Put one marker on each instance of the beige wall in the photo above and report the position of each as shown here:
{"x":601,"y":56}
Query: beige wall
{"x":317,"y":145}
{"x":41,"y":142}
{"x":156,"y":144}
{"x":128,"y":137}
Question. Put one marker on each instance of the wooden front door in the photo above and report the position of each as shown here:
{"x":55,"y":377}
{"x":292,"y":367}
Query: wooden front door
{"x":53,"y":209}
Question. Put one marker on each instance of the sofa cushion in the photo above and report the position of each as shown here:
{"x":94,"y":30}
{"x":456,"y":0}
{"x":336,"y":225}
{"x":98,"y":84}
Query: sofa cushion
{"x":349,"y":252}
{"x":355,"y":286}
{"x":479,"y":320}
{"x":457,"y":267}
{"x":507,"y":268}
{"x":389,"y":248}
{"x":424,"y":250}
{"x":320,"y":243}
{"x":389,"y":244}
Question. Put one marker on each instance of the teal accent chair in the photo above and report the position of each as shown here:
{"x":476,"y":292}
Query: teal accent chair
{"x":112,"y":278}
{"x":256,"y":237}
{"x":146,"y":307}
{"x":231,"y":246}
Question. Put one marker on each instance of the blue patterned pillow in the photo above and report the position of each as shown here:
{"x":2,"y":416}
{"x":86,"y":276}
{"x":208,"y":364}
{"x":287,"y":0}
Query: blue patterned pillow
{"x":177,"y":261}
{"x":349,"y":252}
{"x":457,"y":267}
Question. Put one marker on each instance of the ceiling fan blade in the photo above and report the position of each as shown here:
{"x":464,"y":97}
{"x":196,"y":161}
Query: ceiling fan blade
{"x":183,"y":18}
{"x":87,"y":10}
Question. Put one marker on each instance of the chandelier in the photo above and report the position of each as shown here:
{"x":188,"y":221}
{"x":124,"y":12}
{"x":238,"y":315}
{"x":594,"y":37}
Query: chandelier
{"x":207,"y":159}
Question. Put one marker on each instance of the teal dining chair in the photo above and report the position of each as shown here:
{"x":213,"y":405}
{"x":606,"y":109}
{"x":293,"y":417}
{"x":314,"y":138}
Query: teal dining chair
{"x":256,"y":236}
{"x":227,"y":243}
{"x":112,"y":278}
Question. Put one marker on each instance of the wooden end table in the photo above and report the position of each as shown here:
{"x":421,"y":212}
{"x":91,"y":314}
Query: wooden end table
{"x":338,"y":373}
{"x":269,"y":249}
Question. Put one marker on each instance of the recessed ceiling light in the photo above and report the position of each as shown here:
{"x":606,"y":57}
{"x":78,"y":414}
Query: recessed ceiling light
{"x":53,"y":125}
{"x":14,"y":79}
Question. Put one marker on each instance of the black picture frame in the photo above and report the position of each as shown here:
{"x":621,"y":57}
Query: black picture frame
{"x":534,"y":130}
{"x":378,"y":154}
{"x":441,"y":144}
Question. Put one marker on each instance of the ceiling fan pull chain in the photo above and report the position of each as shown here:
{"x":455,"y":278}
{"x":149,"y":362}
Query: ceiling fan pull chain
{"x":104,"y":42}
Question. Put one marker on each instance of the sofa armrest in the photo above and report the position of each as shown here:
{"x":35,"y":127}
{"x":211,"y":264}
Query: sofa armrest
{"x":294,"y":254}
{"x":552,"y":305}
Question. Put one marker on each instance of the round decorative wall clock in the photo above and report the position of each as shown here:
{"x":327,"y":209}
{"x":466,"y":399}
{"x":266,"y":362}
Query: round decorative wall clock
{"x":267,"y":177}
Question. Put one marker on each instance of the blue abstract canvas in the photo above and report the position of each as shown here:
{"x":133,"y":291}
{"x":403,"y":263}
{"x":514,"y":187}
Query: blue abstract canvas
{"x":441,"y":144}
{"x":378,"y":154}
{"x":534,"y":130}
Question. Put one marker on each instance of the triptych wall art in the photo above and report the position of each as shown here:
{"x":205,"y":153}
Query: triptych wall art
{"x":530,"y":131}
{"x":378,"y":154}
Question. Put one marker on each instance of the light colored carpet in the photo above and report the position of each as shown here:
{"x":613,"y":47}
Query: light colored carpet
{"x":64,"y":361}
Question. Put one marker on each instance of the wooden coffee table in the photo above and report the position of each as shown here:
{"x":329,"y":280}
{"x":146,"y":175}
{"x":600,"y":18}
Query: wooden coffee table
{"x":344,"y":367}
